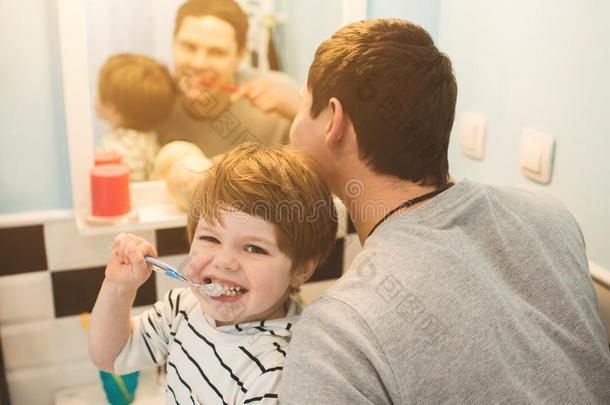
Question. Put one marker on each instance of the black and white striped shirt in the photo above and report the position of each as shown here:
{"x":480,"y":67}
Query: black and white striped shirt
{"x":208,"y":364}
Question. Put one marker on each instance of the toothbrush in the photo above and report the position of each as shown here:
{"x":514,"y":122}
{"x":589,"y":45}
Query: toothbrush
{"x":211,"y":289}
{"x":217,"y":85}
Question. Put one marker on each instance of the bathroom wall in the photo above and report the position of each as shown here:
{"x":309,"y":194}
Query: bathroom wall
{"x":313,"y":21}
{"x":424,"y":13}
{"x":541,"y":64}
{"x":34,"y":171}
{"x":309,"y":23}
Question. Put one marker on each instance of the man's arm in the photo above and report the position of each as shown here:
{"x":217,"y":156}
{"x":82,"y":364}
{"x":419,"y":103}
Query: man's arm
{"x":334,"y":358}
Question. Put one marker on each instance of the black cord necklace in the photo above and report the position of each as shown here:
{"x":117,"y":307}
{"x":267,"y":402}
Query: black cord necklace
{"x":409,"y":203}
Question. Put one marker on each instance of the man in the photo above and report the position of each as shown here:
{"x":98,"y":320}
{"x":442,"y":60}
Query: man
{"x":466,"y":293}
{"x":220,"y":105}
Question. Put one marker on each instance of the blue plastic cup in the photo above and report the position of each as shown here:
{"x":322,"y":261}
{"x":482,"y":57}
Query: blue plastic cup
{"x":120,"y":389}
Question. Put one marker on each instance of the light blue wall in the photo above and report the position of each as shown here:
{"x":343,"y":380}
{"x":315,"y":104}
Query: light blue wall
{"x":309,"y":23}
{"x":422,"y":12}
{"x":34,"y":172}
{"x":542,"y":64}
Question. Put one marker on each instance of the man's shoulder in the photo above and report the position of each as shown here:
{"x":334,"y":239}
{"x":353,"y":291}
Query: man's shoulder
{"x":524,"y":196}
{"x":536,"y":206}
{"x":359,"y":293}
{"x":469,"y":200}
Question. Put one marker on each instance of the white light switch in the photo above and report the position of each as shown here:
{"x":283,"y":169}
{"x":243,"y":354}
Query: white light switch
{"x":472,"y":135}
{"x":536,"y":155}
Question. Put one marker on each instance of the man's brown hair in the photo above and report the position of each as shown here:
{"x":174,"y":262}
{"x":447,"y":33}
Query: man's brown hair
{"x":138,"y":88}
{"x":278,"y":185}
{"x":398,"y":90}
{"x":227,"y":10}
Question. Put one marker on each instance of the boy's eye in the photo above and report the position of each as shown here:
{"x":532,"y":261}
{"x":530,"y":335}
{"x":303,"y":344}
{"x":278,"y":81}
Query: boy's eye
{"x":206,"y":238}
{"x":256,"y":249}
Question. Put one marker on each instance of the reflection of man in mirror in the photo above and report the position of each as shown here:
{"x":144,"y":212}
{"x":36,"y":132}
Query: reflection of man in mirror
{"x":221,"y":105}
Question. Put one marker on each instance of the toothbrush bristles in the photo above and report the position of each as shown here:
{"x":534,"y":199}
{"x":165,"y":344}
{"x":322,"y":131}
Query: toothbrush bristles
{"x":213,"y":289}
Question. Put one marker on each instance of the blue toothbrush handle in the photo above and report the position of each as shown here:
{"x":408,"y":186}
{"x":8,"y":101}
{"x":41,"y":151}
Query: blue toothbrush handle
{"x":161,"y":267}
{"x":169,"y":271}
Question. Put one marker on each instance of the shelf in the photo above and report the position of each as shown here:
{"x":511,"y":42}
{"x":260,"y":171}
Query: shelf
{"x":153,"y":209}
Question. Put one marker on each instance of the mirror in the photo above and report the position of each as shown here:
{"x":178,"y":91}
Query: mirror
{"x":279,"y":37}
{"x":169,"y":74}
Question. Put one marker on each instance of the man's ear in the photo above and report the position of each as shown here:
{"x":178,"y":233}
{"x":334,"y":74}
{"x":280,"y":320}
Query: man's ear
{"x":338,"y":125}
{"x":303,"y":273}
{"x":241,"y":54}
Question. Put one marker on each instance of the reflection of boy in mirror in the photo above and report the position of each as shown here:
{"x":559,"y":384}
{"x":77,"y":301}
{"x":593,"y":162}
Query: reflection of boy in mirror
{"x":221,"y":105}
{"x":135,"y":95}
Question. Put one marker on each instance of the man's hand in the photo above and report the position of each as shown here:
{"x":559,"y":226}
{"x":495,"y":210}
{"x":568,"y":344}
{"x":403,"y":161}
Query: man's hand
{"x":271,"y":95}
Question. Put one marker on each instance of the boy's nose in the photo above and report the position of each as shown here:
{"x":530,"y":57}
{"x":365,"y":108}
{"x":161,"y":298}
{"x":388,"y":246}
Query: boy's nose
{"x":225,"y":262}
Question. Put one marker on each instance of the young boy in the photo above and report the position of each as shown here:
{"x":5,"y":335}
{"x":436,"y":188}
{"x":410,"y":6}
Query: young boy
{"x":260,"y":223}
{"x":135,"y":96}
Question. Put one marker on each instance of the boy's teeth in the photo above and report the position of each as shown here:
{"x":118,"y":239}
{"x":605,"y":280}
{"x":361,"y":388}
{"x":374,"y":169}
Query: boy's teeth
{"x":228,"y":290}
{"x":232,"y":291}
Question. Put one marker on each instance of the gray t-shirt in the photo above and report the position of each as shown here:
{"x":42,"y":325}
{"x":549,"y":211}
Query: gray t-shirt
{"x":239,"y":123}
{"x":481,"y":295}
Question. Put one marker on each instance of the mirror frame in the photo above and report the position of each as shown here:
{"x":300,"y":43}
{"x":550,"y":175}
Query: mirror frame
{"x":75,"y":73}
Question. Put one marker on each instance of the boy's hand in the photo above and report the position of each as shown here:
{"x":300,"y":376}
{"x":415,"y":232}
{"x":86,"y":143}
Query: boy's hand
{"x":127,"y":266}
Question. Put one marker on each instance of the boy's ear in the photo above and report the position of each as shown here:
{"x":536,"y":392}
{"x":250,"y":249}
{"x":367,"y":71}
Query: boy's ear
{"x":303,"y":273}
{"x":108,"y":113}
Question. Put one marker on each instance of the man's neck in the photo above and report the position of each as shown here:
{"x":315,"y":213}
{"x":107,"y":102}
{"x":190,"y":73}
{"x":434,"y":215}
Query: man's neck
{"x":370,"y":197}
